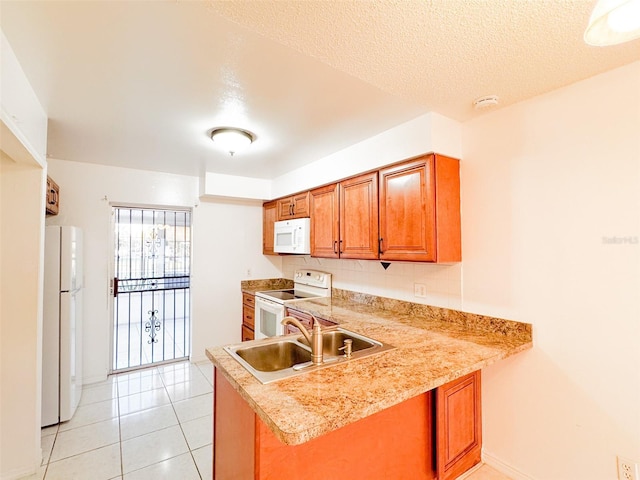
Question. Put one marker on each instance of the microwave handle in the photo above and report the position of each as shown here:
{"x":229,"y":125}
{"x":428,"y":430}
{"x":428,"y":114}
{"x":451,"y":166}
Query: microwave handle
{"x":293,"y":238}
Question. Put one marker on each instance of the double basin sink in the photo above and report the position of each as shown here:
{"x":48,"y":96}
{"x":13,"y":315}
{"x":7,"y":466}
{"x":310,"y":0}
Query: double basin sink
{"x":282,"y":357}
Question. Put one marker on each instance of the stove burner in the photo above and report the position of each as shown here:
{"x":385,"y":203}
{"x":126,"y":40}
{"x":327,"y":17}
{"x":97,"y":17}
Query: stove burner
{"x":287,"y":294}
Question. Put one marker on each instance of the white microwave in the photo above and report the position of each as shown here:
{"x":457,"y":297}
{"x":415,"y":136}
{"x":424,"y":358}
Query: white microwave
{"x":292,"y":236}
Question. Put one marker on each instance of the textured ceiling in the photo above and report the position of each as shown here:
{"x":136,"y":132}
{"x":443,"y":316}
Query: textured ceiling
{"x":442,"y":54}
{"x":140,"y":84}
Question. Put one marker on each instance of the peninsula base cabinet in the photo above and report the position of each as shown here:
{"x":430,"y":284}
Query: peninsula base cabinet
{"x":433,"y":436}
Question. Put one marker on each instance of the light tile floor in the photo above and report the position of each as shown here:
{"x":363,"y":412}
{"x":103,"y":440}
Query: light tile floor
{"x":154,"y":423}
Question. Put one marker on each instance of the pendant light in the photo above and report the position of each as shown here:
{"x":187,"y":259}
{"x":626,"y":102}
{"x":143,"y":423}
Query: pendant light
{"x":613,"y":22}
{"x":232,"y":139}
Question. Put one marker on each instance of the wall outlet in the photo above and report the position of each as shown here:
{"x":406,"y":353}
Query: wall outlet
{"x":627,"y":470}
{"x":420,"y":290}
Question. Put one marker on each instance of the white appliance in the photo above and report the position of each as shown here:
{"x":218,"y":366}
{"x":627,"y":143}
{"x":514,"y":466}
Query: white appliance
{"x":271,"y":304}
{"x":292,"y":236}
{"x":62,"y":324}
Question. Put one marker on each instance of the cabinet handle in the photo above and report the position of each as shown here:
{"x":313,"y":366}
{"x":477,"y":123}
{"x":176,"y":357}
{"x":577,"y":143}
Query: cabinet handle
{"x":291,"y":209}
{"x":380,"y":245}
{"x":335,"y":246}
{"x":341,"y":251}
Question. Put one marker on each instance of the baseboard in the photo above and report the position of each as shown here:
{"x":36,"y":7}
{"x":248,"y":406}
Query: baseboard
{"x":18,"y":473}
{"x":199,"y":359}
{"x":504,"y":467}
{"x":87,"y":381}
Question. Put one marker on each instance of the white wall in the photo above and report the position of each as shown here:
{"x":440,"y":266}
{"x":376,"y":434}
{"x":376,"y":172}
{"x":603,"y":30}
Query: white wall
{"x":227,"y":241}
{"x":443,"y":282}
{"x":22,"y":187}
{"x":20,"y":109}
{"x":23,"y":138}
{"x":428,"y":133}
{"x":544,"y":184}
{"x":227,"y":248}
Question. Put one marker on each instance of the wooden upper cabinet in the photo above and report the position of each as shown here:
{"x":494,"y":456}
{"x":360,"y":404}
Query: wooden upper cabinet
{"x":269,"y":216}
{"x":359,"y":217}
{"x":52,"y":197}
{"x":408,"y":211}
{"x":420,"y":210}
{"x":295,"y":206}
{"x":325,"y":221}
{"x":344,"y":219}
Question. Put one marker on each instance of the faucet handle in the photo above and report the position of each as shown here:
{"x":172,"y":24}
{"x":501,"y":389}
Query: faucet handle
{"x":347,"y":347}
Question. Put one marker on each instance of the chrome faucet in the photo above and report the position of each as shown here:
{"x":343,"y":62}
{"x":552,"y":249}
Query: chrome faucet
{"x":314,"y":338}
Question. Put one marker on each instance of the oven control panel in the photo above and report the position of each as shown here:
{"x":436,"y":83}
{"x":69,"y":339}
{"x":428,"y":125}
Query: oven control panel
{"x":312,"y":278}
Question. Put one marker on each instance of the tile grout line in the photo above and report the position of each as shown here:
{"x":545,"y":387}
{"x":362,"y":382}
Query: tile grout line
{"x":119,"y":429}
{"x":193,"y":459}
{"x":172,"y":402}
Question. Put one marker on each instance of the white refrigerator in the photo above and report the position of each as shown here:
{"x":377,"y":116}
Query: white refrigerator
{"x":62,"y":324}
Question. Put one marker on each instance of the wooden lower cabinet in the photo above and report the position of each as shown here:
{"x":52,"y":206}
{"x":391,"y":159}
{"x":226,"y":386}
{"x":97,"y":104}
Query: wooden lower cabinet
{"x":402,"y":442}
{"x":305,"y":320}
{"x":458,"y":426}
{"x":248,"y":316}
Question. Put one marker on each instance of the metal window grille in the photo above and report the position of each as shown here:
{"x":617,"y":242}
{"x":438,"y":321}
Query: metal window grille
{"x":151,"y":286}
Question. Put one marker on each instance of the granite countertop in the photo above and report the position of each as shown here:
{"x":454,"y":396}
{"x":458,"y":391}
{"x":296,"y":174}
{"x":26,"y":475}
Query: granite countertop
{"x":253,"y":286}
{"x":433,"y":346}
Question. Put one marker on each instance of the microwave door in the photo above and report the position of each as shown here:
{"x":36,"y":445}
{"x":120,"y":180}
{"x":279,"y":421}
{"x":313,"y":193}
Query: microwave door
{"x":284,"y":239}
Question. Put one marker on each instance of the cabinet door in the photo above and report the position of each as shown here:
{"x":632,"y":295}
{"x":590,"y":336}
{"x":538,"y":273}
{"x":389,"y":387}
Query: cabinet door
{"x":458,"y":426}
{"x":300,"y":203}
{"x":295,"y":206}
{"x":359,"y":217}
{"x":284,"y":208}
{"x":324,"y":221}
{"x":407,"y":215}
{"x":269,"y":214}
{"x":247,"y":334}
{"x":420,"y":210}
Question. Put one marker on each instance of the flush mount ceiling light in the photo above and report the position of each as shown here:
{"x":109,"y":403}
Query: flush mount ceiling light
{"x":613,"y":22}
{"x":232,"y":139}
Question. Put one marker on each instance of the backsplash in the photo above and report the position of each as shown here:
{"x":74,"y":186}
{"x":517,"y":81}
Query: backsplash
{"x":443,"y":283}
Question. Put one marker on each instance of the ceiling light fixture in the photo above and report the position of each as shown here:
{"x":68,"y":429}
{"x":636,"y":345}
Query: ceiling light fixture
{"x":613,"y":22}
{"x":232,"y":139}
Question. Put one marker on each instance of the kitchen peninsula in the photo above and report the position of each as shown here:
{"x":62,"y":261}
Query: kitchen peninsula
{"x":411,"y":412}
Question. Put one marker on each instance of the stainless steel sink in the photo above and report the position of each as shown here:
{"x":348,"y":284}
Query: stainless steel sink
{"x":274,"y":356}
{"x":277,"y":358}
{"x":333,"y":341}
